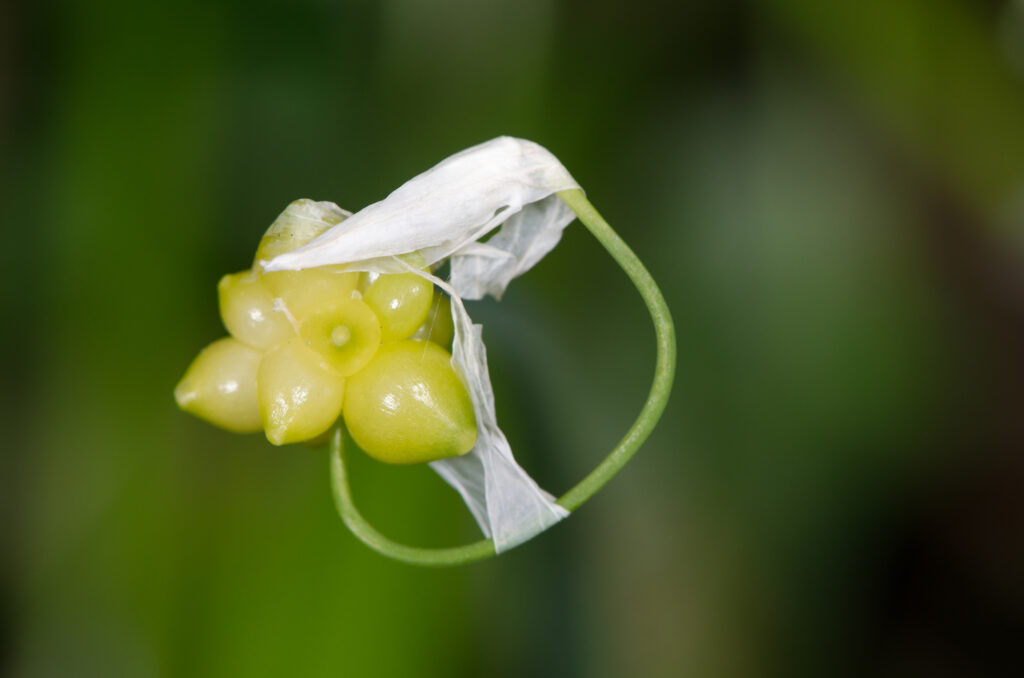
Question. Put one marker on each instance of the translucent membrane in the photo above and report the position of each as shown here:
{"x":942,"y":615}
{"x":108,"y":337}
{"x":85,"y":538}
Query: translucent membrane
{"x":438,"y":326}
{"x":408,"y":406}
{"x":299,"y":398}
{"x":220,"y":386}
{"x":299,"y":223}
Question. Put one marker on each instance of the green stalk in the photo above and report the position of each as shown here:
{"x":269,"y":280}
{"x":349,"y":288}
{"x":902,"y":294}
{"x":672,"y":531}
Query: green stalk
{"x":378,"y":542}
{"x":664,"y":372}
{"x":665,"y":340}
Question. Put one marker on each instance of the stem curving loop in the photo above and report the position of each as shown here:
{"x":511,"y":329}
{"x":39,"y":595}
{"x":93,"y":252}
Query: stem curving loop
{"x":664,"y":372}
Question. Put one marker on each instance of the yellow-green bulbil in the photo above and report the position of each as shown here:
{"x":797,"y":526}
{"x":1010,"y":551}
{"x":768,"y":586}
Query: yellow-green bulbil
{"x":305,"y":343}
{"x":298,"y":397}
{"x":345,"y":333}
{"x":304,"y":292}
{"x":401,"y":301}
{"x":220,"y":386}
{"x":408,"y":406}
{"x":247,"y":309}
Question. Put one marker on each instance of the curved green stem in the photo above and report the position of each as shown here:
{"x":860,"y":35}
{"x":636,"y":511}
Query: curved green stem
{"x":664,"y":373}
{"x":665,"y":364}
{"x":457,"y":555}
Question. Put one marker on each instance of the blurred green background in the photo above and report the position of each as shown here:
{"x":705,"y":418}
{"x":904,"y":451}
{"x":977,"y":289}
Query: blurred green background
{"x":830,"y":194}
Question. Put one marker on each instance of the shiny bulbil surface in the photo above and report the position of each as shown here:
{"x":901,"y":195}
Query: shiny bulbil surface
{"x":220,"y":386}
{"x":408,"y":406}
{"x":298,"y":397}
{"x":402,"y":303}
{"x":345,"y":333}
{"x":301,"y":339}
{"x":247,"y":309}
{"x":305,"y":292}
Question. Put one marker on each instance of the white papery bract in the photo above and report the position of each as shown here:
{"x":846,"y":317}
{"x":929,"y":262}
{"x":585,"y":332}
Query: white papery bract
{"x":506,"y":184}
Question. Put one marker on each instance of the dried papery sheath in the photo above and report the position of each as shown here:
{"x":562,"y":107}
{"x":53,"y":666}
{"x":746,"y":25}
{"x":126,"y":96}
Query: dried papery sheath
{"x":506,"y":184}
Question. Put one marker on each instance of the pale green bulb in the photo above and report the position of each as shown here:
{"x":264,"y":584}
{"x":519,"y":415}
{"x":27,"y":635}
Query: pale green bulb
{"x":401,"y":301}
{"x":299,"y":398}
{"x":247,"y":309}
{"x":220,"y":386}
{"x":305,"y":292}
{"x":408,"y":405}
{"x":345,"y":334}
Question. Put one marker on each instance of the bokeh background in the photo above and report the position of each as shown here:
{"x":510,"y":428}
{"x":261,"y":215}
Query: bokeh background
{"x":830,"y":194}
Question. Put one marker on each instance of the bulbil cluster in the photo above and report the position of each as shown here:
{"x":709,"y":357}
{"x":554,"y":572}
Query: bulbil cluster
{"x":309,"y":347}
